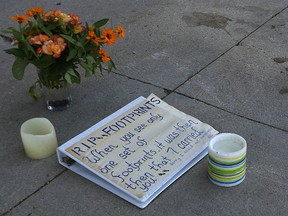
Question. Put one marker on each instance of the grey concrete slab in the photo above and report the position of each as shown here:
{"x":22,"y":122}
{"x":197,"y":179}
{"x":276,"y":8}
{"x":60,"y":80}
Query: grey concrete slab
{"x":178,"y":38}
{"x":264,"y":192}
{"x":250,"y":79}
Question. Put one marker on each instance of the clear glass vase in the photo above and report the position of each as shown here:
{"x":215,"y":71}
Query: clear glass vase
{"x":57,"y":92}
{"x":57,"y":98}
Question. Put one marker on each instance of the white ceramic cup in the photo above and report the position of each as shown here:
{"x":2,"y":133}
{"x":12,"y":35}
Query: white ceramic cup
{"x":39,"y":138}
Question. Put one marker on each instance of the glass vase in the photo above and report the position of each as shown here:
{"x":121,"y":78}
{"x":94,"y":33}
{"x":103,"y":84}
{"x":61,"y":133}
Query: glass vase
{"x":57,"y":98}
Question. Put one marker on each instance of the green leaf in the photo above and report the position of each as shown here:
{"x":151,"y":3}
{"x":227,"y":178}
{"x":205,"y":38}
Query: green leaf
{"x":47,"y":32}
{"x":52,"y":26}
{"x":95,"y":55}
{"x":67,"y":77}
{"x":88,"y":73}
{"x":82,"y":39}
{"x":16,"y":52}
{"x":34,"y":92}
{"x":72,"y":76}
{"x":6,"y":31}
{"x":18,"y":68}
{"x":44,"y":62}
{"x":75,"y":75}
{"x":72,"y":72}
{"x":98,"y":71}
{"x":73,"y":41}
{"x":111,"y":65}
{"x":87,"y":68}
{"x":43,"y":28}
{"x":72,"y":54}
{"x":78,"y":44}
{"x":29,"y":47}
{"x":84,"y":65}
{"x":68,"y":38}
{"x":90,"y":59}
{"x":16,"y":35}
{"x":100,"y":23}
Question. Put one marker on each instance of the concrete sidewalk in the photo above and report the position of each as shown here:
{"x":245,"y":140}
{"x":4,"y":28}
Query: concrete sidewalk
{"x":223,"y":62}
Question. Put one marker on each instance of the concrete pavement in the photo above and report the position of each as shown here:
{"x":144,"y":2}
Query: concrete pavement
{"x":223,"y":62}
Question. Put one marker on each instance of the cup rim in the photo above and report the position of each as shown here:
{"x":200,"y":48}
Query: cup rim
{"x":227,"y":155}
{"x":30,"y":121}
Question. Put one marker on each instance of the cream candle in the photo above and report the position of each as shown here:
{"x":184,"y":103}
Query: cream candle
{"x":39,"y":138}
{"x":227,"y":159}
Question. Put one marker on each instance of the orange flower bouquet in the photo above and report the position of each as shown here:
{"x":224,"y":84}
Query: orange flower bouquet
{"x":57,"y":44}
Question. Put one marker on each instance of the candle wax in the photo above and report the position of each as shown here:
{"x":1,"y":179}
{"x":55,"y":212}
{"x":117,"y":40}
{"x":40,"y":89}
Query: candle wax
{"x":39,"y":138}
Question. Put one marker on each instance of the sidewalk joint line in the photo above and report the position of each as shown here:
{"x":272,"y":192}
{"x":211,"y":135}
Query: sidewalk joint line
{"x":36,"y":191}
{"x":222,"y":54}
{"x":230,"y":112}
{"x":166,"y":91}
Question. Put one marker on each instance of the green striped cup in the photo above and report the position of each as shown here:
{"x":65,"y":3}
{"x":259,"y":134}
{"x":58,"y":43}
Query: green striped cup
{"x":227,"y":159}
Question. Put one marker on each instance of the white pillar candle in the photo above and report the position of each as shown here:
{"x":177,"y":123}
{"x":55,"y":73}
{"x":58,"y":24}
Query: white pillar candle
{"x":39,"y":138}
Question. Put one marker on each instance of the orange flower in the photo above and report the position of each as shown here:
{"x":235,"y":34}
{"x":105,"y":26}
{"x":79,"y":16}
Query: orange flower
{"x":52,"y":16}
{"x":75,"y":19}
{"x":97,"y":40}
{"x":109,"y":36}
{"x":78,"y":29}
{"x":31,"y":32}
{"x":38,"y":39}
{"x":39,"y":50}
{"x":54,"y":46}
{"x":56,"y":49}
{"x":20,"y":18}
{"x":46,"y":48}
{"x":92,"y":36}
{"x":120,"y":31}
{"x":65,"y":18}
{"x":104,"y":56}
{"x":59,"y":41}
{"x":34,"y":11}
